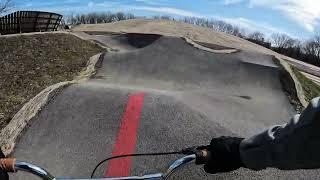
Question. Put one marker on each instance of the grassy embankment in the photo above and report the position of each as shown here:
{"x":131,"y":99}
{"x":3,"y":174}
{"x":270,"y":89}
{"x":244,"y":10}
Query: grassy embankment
{"x":30,"y":63}
{"x":310,"y":89}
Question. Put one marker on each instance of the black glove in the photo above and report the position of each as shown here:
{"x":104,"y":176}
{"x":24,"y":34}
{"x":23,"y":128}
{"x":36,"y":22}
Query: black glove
{"x":224,"y":155}
{"x":3,"y":175}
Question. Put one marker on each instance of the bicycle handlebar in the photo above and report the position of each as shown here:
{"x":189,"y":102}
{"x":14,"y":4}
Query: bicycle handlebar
{"x":12,"y":165}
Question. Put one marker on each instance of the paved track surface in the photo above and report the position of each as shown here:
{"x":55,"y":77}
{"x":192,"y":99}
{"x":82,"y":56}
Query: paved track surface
{"x":194,"y":32}
{"x":190,"y":96}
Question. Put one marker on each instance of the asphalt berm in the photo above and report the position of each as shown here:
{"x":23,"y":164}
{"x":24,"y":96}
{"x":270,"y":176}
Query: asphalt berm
{"x":190,"y":96}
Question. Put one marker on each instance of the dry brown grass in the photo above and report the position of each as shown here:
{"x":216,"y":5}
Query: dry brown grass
{"x":174,"y":28}
{"x":31,"y":63}
{"x":311,"y":89}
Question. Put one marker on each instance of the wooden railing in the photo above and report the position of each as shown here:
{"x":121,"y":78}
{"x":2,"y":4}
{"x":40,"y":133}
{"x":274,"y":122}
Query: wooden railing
{"x":29,"y":21}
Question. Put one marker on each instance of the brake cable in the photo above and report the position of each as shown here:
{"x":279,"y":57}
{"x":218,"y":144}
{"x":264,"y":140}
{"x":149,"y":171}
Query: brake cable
{"x":186,"y":151}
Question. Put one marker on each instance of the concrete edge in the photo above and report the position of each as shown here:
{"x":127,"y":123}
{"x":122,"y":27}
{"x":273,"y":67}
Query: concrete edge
{"x":198,"y":46}
{"x":34,"y":33}
{"x":87,"y":37}
{"x":22,"y":118}
{"x":298,"y":86}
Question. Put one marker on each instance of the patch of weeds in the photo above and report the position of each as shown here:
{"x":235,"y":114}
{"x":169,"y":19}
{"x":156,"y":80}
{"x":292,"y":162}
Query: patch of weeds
{"x":311,"y":89}
{"x":29,"y":64}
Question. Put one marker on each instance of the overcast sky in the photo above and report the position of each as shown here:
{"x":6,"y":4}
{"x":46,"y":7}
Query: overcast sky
{"x":298,"y":18}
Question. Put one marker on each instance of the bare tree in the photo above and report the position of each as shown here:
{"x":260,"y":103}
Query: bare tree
{"x":316,"y":40}
{"x":165,"y":17}
{"x":258,"y":36}
{"x":120,"y":16}
{"x":95,"y":18}
{"x":282,"y":40}
{"x":5,"y":6}
{"x":238,"y":32}
{"x":312,"y":47}
{"x":130,"y":16}
{"x":298,"y":43}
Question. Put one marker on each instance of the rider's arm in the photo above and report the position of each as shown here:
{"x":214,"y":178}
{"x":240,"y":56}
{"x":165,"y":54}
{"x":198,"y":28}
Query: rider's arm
{"x":295,"y":145}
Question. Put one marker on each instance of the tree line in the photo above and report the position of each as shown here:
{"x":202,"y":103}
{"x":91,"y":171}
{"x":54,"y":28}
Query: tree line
{"x":307,"y":51}
{"x":96,"y":18}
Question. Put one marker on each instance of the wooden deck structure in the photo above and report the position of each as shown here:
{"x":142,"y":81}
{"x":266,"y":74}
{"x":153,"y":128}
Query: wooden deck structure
{"x":29,"y":21}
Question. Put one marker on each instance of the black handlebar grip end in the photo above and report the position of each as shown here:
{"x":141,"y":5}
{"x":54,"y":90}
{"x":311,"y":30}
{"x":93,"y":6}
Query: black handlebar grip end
{"x":202,"y":157}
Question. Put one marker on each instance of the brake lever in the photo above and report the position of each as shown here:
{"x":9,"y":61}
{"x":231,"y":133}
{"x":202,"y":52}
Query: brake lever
{"x":193,"y":150}
{"x":201,"y":152}
{"x":189,"y":150}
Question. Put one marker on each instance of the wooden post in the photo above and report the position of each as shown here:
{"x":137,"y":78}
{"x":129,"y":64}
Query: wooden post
{"x":9,"y":23}
{"x":35,"y":22}
{"x":1,"y":24}
{"x":19,"y":22}
{"x":7,"y":28}
{"x":49,"y":22}
{"x":57,"y":23}
{"x":15,"y":21}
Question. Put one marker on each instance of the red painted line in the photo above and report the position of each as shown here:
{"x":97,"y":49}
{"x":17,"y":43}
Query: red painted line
{"x":126,"y":138}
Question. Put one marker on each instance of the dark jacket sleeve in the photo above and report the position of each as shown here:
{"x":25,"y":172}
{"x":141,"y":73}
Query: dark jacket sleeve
{"x":295,"y":145}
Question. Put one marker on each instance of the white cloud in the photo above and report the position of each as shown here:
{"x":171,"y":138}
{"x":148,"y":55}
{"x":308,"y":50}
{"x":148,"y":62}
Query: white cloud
{"x":152,"y":2}
{"x":72,"y":1}
{"x":59,"y":9}
{"x":252,"y":26}
{"x":165,"y":10}
{"x":158,"y":9}
{"x":106,"y":4}
{"x":228,"y":2}
{"x":305,"y":12}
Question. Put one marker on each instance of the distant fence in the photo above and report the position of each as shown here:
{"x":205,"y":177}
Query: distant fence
{"x":29,"y":21}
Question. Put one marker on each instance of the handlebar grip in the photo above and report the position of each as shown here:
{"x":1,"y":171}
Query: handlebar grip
{"x":8,"y":164}
{"x":202,"y":156}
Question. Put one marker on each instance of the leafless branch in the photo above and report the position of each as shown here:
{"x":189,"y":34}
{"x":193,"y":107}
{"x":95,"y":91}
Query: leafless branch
{"x":5,"y":6}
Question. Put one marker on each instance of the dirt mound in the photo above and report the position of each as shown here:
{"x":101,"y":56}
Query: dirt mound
{"x":173,"y":28}
{"x":193,"y":32}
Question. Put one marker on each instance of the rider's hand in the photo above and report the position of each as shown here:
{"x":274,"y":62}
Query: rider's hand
{"x":224,"y":155}
{"x":3,"y":175}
